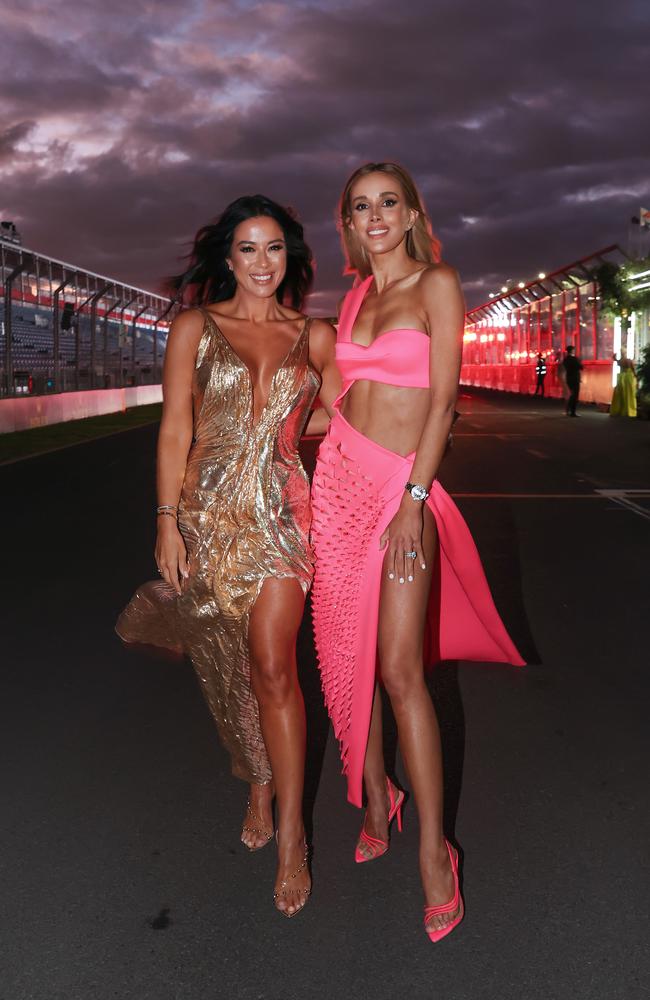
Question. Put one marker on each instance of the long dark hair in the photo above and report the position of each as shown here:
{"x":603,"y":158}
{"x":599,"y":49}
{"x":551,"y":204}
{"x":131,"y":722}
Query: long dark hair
{"x":208,"y":277}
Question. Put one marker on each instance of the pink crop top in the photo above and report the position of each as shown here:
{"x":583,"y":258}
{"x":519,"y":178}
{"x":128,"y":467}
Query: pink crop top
{"x":396,"y":357}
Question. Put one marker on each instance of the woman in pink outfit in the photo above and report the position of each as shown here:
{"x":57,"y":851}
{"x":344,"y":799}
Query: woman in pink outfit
{"x":398,"y":578}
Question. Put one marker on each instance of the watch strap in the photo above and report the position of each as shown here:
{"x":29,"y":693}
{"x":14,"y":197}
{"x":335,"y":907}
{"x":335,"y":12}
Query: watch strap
{"x":421,"y":491}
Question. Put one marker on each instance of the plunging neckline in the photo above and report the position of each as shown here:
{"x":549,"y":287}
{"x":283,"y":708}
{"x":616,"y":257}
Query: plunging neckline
{"x":251,"y":385}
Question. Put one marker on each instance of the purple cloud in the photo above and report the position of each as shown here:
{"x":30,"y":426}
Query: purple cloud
{"x":523,"y":126}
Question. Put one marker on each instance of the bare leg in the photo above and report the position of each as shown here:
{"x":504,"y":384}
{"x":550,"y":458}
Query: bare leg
{"x":273,"y":627}
{"x":402,"y":616}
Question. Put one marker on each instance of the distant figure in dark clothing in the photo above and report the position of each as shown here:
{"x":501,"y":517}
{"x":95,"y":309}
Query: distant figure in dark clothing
{"x":560,"y":374}
{"x":572,"y":367}
{"x":540,"y":371}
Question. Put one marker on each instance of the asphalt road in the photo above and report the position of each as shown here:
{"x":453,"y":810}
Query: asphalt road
{"x":122,"y":872}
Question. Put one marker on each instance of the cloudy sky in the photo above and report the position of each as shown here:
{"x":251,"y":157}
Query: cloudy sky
{"x":126,"y":126}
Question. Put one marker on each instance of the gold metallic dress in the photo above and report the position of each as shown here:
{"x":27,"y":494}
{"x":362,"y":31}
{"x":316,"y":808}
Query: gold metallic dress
{"x":244,"y":514}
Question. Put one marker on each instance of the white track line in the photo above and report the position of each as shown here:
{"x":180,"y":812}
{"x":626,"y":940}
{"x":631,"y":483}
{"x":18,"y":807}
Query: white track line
{"x":622,"y":497}
{"x":527,"y":496}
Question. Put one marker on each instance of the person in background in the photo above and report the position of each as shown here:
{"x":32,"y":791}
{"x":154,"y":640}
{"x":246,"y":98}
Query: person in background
{"x":624,"y":397}
{"x":540,"y":371}
{"x":572,"y":366}
{"x":560,"y":374}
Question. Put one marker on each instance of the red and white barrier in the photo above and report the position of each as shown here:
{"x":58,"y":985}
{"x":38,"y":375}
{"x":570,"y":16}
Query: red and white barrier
{"x":23,"y":412}
{"x":596,"y":385}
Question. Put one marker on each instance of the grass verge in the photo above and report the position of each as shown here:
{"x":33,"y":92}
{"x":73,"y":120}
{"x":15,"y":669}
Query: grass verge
{"x":39,"y":440}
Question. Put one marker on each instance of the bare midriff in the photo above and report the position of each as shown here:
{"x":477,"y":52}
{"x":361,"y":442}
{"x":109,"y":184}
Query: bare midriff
{"x":392,"y":416}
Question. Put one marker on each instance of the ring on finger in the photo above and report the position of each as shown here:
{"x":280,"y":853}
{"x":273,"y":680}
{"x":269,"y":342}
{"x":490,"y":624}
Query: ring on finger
{"x":411,"y":555}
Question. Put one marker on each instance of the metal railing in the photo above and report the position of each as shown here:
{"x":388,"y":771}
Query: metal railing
{"x":65,"y":328}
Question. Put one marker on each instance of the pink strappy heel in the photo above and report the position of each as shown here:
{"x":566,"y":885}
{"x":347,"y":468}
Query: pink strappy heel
{"x":455,"y":903}
{"x":377,"y":846}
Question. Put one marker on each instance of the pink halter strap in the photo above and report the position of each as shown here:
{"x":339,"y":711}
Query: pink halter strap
{"x":350,"y":308}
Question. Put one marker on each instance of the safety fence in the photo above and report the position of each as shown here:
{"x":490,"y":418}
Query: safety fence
{"x":66,"y":329}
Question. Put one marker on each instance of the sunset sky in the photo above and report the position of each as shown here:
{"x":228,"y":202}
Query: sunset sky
{"x":125,"y":126}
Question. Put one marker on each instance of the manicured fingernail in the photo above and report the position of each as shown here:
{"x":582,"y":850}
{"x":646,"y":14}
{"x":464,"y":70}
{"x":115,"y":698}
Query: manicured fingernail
{"x":391,"y":576}
{"x":410,"y":579}
{"x":401,"y":579}
{"x":424,"y":565}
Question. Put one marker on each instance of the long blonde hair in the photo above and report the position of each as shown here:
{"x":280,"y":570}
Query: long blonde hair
{"x":421,"y":243}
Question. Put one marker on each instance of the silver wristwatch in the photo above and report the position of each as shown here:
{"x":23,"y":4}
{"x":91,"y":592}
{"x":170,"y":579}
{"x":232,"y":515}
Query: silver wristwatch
{"x":417,"y":492}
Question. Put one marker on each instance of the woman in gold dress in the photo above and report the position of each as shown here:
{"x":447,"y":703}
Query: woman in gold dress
{"x":242,"y":369}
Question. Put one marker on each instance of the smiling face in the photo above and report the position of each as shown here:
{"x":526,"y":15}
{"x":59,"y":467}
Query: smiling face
{"x":258,"y":256}
{"x":380,"y":216}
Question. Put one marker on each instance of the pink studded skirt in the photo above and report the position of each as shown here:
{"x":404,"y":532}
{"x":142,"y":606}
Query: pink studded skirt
{"x":357,"y":488}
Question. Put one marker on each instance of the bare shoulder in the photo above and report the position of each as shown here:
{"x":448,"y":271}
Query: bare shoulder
{"x":322,"y":341}
{"x":321,"y":332}
{"x":438,"y":279}
{"x":187,"y":327}
{"x":441,"y":294}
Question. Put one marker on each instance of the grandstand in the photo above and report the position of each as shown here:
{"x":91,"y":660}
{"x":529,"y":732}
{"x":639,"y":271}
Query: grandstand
{"x":66,"y":329}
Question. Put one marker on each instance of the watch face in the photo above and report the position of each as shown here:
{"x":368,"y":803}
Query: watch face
{"x":418,"y":493}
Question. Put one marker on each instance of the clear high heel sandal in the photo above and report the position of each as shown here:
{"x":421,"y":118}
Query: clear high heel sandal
{"x":285,"y":889}
{"x":256,"y":829}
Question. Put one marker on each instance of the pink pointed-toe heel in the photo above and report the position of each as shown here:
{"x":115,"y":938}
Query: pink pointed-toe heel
{"x":378,"y":847}
{"x":455,"y":903}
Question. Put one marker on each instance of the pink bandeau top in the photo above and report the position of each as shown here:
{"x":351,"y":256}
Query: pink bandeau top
{"x":396,"y":357}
